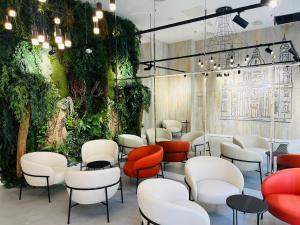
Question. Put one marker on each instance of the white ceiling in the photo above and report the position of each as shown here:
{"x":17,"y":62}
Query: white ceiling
{"x":170,"y":11}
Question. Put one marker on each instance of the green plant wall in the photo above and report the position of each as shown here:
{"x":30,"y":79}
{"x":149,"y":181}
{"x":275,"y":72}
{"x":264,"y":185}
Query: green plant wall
{"x":89,"y":79}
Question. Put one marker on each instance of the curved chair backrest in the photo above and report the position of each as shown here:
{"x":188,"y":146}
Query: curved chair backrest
{"x":251,"y":141}
{"x":161,"y":133}
{"x":181,"y":149}
{"x":41,"y":164}
{"x":146,"y":157}
{"x":240,"y":156}
{"x":208,"y":167}
{"x":191,"y":136}
{"x":287,"y":161}
{"x":171,"y":123}
{"x":129,"y":141}
{"x":100,"y":146}
{"x":92,"y":180}
{"x":294,"y":147}
{"x":283,"y":182}
{"x":159,"y":200}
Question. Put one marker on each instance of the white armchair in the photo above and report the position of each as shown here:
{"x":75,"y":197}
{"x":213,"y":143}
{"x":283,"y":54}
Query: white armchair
{"x":172,"y":125}
{"x":252,"y":143}
{"x":43,"y":169}
{"x":245,"y":160}
{"x":166,"y":202}
{"x":197,"y":140}
{"x":211,"y":180}
{"x":91,"y":187}
{"x":162,"y":134}
{"x":99,"y":150}
{"x":127,"y":142}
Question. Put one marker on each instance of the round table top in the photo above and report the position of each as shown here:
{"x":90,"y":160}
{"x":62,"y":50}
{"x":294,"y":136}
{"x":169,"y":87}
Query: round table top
{"x":98,"y":164}
{"x":247,"y":204}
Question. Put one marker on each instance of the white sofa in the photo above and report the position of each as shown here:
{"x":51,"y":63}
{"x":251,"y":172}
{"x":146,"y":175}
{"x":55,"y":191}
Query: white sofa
{"x":100,"y":149}
{"x":162,"y":134}
{"x":166,"y":202}
{"x":172,"y":125}
{"x":91,"y":187}
{"x":127,"y":142}
{"x":197,"y":140}
{"x":43,"y":169}
{"x":211,"y":179}
{"x":244,"y":159}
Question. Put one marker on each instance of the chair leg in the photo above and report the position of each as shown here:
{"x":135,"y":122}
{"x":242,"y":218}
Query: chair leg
{"x":162,"y":171}
{"x":21,"y":188}
{"x":137,"y":181}
{"x":208,"y":148}
{"x":195,"y":150}
{"x":48,"y":190}
{"x":107,"y":208}
{"x":260,"y":173}
{"x":69,"y":209}
{"x":121,"y":189}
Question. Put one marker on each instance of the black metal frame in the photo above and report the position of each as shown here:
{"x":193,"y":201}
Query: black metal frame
{"x":146,"y":168}
{"x":149,"y":221}
{"x":122,"y":152}
{"x":166,"y":153}
{"x":91,"y":189}
{"x":37,"y":176}
{"x":189,"y":188}
{"x":246,"y":161}
{"x":205,"y":150}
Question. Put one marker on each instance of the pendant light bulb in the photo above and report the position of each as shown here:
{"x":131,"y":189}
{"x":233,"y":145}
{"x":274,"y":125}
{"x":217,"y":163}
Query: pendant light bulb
{"x":99,"y":12}
{"x":7,"y":24}
{"x":46,"y":45}
{"x":211,"y":59}
{"x":231,"y":59}
{"x":34,"y":38}
{"x":12,"y":12}
{"x":95,"y":19}
{"x":112,"y":5}
{"x":58,"y":36}
{"x":41,"y":37}
{"x":42,"y":1}
{"x":57,"y":20}
{"x":61,"y":46}
{"x":219,"y":67}
{"x":215,"y":66}
{"x":202,"y":65}
{"x":68,"y":42}
{"x":96,"y":29}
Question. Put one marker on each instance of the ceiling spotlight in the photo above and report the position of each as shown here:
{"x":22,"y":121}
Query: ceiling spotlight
{"x":95,"y":19}
{"x":57,"y":20}
{"x":99,"y":12}
{"x":231,"y":59}
{"x":7,"y":24}
{"x":211,"y":59}
{"x":240,"y":21}
{"x":149,"y":67}
{"x":226,"y":74}
{"x":271,"y":3}
{"x":231,"y":65}
{"x":88,"y":51}
{"x":52,"y":51}
{"x":112,"y":5}
{"x":96,"y":29}
{"x":202,"y":65}
{"x":269,"y":51}
{"x":199,"y":62}
{"x":238,"y":65}
{"x":219,"y":75}
{"x":12,"y":12}
{"x":42,"y":1}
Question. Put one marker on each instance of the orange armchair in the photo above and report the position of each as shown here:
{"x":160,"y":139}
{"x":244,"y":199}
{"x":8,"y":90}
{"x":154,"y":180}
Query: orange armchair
{"x":288,"y":161}
{"x":144,"y":162}
{"x":281,"y":191}
{"x":175,"y":151}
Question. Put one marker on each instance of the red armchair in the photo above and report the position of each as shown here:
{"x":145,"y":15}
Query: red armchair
{"x":281,"y":191}
{"x":175,"y":151}
{"x":288,"y":161}
{"x":144,"y":162}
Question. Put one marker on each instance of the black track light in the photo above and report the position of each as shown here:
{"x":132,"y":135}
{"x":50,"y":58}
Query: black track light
{"x":269,"y":51}
{"x":240,"y":21}
{"x":219,"y":75}
{"x":295,"y":54}
{"x":149,"y":67}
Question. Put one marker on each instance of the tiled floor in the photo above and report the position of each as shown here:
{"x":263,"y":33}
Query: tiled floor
{"x":34,"y":208}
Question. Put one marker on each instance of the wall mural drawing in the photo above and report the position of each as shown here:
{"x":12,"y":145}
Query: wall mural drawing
{"x":249,"y":95}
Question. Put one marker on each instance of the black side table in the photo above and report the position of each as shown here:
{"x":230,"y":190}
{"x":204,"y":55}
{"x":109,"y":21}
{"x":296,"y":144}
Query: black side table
{"x":246,"y":204}
{"x":98,"y":164}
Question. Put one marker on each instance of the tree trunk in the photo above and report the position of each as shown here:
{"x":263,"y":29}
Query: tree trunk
{"x":22,"y":141}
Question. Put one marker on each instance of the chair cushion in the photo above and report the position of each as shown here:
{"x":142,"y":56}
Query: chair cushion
{"x":285,"y":207}
{"x":174,"y":129}
{"x":215,"y":191}
{"x":59,"y":174}
{"x":98,"y":157}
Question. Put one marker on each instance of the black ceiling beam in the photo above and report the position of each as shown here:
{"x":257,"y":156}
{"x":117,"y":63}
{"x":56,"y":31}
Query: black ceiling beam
{"x":162,"y":67}
{"x":206,"y":17}
{"x":220,"y":51}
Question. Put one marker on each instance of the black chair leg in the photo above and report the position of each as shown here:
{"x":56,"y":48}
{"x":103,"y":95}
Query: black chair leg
{"x":162,"y":171}
{"x":70,"y":202}
{"x":260,"y":173}
{"x":121,"y":189}
{"x":107,"y":208}
{"x":208,"y":148}
{"x":48,"y":190}
{"x":21,"y":188}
